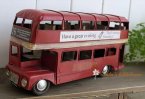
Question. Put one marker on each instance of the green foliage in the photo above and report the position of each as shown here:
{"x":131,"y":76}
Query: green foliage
{"x":136,"y":43}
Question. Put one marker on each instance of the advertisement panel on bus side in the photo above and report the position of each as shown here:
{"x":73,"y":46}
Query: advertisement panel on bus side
{"x":66,"y":36}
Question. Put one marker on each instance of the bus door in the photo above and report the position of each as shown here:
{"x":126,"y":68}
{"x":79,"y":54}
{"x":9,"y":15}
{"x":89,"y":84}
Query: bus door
{"x":49,"y":60}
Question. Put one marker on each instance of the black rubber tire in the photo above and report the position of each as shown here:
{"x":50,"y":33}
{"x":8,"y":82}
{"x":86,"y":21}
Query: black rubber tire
{"x":37,"y":92}
{"x":109,"y":71}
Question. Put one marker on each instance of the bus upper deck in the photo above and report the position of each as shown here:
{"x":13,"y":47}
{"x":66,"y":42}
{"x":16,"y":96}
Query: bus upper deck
{"x":46,"y":27}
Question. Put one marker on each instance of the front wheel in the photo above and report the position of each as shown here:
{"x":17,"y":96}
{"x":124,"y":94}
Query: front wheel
{"x":41,"y":87}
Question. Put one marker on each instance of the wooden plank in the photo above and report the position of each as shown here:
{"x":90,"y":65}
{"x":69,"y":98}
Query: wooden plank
{"x":32,"y":46}
{"x":94,"y":93}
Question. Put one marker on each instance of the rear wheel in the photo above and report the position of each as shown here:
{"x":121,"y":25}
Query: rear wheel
{"x":41,"y":87}
{"x":107,"y":69}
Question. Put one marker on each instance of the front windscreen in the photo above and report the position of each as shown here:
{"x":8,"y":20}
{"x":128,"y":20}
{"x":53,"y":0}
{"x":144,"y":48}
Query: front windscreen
{"x":26,"y":23}
{"x":22,"y":29}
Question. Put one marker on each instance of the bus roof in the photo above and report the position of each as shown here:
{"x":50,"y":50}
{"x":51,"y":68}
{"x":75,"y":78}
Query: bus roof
{"x":39,"y":15}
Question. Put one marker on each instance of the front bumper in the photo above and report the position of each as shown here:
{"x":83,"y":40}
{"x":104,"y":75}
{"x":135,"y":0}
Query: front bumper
{"x":32,"y":75}
{"x":14,"y":77}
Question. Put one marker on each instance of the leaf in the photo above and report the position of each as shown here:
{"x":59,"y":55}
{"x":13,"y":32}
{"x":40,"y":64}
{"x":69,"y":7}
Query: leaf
{"x":136,"y":43}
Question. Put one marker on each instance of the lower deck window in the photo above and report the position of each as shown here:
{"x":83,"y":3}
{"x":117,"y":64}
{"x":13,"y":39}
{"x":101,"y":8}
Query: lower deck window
{"x":99,"y":53}
{"x":14,"y":50}
{"x":68,"y":56}
{"x":111,"y":51}
{"x":85,"y":54}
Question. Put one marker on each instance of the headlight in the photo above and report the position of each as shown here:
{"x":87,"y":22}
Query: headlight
{"x":7,"y":72}
{"x":24,"y":82}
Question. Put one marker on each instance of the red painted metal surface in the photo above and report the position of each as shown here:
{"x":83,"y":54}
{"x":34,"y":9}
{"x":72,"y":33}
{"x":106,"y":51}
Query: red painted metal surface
{"x":32,"y":74}
{"x":50,"y":65}
{"x":77,"y":69}
{"x":52,"y":68}
{"x":44,"y":36}
{"x":39,"y":15}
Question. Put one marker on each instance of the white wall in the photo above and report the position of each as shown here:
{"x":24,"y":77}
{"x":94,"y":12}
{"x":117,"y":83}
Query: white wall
{"x":119,"y":7}
{"x":8,"y":10}
{"x":137,"y":12}
{"x":54,"y":4}
{"x":94,"y":6}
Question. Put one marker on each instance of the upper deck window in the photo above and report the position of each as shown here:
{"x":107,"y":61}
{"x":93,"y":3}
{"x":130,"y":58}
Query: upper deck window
{"x":50,"y":25}
{"x":102,"y":25}
{"x":124,"y":26}
{"x":46,"y":25}
{"x":23,"y":22}
{"x":27,"y":23}
{"x":19,"y":21}
{"x":57,"y":25}
{"x":72,"y":25}
{"x":114,"y":26}
{"x":87,"y":25}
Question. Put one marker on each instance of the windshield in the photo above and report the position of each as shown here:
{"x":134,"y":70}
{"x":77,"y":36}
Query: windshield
{"x":24,"y":30}
{"x":27,"y":23}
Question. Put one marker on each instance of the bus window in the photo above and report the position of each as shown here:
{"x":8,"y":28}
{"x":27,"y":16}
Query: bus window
{"x":46,"y":25}
{"x":111,"y":51}
{"x":50,"y":25}
{"x":87,"y":25}
{"x":85,"y":54}
{"x":102,"y":25}
{"x":57,"y":25}
{"x":19,"y":21}
{"x":114,"y":26}
{"x":124,"y":26}
{"x":14,"y":51}
{"x":71,"y":25}
{"x":27,"y":23}
{"x":68,"y":56}
{"x":99,"y":53}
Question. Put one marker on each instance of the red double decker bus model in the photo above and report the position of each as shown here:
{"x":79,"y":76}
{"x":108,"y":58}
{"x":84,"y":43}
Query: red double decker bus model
{"x":56,"y":47}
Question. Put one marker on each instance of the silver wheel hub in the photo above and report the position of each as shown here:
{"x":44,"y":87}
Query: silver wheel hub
{"x":41,"y":85}
{"x":105,"y":70}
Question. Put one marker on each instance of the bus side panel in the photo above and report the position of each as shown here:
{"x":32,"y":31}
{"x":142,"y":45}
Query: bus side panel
{"x":74,"y":70}
{"x":77,"y":69}
{"x":99,"y":63}
{"x":74,"y":76}
{"x":124,"y":34}
{"x":45,"y":36}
